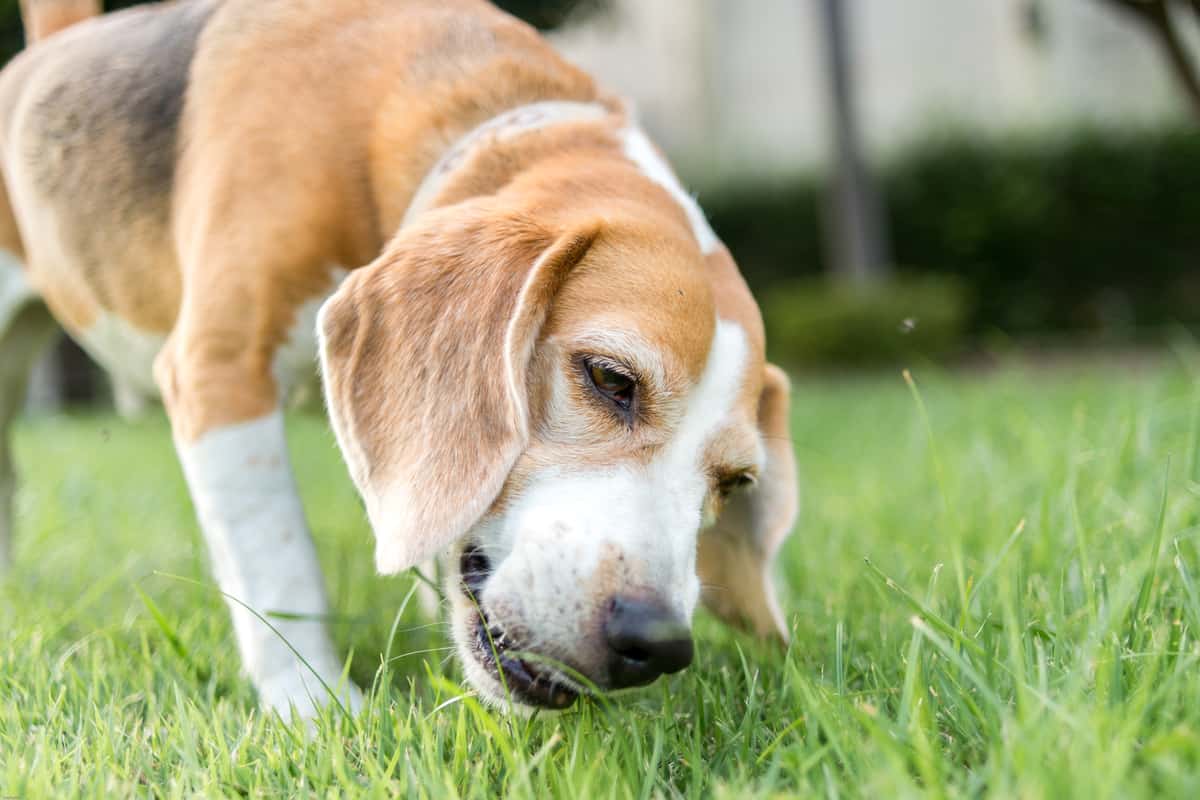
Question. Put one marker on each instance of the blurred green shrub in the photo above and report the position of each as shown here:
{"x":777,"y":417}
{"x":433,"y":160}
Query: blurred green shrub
{"x":814,"y":321}
{"x":12,"y":36}
{"x":547,"y":14}
{"x":1083,"y":231}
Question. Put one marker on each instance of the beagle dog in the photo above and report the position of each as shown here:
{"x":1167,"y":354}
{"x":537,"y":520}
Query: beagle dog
{"x":540,"y":364}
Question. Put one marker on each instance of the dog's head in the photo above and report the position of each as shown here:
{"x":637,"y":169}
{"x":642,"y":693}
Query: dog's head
{"x":578,"y":412}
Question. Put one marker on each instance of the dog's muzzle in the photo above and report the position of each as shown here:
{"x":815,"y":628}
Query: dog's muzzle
{"x":642,"y":641}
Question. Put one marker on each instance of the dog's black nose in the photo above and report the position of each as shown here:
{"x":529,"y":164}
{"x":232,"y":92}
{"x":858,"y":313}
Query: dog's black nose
{"x":644,"y":641}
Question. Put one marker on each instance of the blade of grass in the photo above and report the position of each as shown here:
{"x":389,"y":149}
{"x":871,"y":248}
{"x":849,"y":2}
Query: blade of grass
{"x":172,"y":636}
{"x":960,"y":572}
{"x":337,"y":700}
{"x":1143,"y":597}
{"x":921,"y":608}
{"x":990,"y":570}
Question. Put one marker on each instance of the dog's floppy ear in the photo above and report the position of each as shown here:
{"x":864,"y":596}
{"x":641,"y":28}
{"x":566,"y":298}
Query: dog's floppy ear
{"x":424,"y":357}
{"x":737,"y":552}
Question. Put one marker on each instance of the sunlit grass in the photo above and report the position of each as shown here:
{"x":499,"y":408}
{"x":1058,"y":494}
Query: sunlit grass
{"x":994,"y":590}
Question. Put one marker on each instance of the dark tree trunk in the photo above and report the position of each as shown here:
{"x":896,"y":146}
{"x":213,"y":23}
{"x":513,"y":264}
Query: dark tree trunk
{"x":1156,"y":16}
{"x":853,"y":222}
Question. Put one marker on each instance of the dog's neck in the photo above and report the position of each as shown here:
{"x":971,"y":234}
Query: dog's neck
{"x":631,"y":141}
{"x":501,"y":128}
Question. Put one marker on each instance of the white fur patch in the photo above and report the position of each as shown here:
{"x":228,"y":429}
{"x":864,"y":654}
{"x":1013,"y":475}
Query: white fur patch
{"x":124,"y":350}
{"x":262,"y":554}
{"x":711,"y":401}
{"x":15,"y":290}
{"x":641,"y":151}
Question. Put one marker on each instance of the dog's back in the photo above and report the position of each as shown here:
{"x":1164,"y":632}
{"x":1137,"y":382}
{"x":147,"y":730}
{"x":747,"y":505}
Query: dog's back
{"x":280,"y":99}
{"x":93,"y":116}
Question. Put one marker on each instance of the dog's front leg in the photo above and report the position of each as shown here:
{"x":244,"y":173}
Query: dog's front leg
{"x":229,"y":433}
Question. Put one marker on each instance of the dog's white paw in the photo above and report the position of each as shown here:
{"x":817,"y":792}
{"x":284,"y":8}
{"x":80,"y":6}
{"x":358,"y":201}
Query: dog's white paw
{"x":297,"y":694}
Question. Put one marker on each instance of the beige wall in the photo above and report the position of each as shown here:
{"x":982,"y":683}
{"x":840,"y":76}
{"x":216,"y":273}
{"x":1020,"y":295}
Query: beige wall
{"x":732,"y":87}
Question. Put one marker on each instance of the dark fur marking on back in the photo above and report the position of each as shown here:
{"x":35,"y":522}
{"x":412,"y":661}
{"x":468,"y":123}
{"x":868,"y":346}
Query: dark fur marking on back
{"x":128,"y":102}
{"x":105,"y":137}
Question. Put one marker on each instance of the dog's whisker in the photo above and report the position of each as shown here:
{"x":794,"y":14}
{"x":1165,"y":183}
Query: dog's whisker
{"x":424,"y":651}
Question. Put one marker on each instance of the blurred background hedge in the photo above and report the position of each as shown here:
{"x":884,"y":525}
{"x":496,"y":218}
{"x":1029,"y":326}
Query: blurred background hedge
{"x":1087,"y":232}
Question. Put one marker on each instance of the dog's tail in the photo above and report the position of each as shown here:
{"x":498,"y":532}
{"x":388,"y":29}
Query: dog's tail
{"x":44,"y":18}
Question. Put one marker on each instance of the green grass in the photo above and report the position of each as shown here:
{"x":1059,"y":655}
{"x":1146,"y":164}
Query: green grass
{"x":1025,"y":625}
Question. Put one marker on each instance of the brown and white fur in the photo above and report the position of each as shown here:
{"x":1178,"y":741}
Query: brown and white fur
{"x":186,"y":183}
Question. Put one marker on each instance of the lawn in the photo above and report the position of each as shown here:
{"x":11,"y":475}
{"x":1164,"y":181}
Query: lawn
{"x":994,"y":590}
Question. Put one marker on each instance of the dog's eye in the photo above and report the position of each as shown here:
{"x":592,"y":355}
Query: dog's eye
{"x":611,"y":382}
{"x":731,"y":483}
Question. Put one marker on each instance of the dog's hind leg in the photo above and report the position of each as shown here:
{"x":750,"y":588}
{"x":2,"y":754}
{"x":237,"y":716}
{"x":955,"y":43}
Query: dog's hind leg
{"x":25,"y":328}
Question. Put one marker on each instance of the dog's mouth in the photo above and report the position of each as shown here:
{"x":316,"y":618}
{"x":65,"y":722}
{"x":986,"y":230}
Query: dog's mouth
{"x":529,"y":683}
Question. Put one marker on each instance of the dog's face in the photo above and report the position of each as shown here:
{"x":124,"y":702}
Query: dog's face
{"x":564,"y":414}
{"x":640,"y":426}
